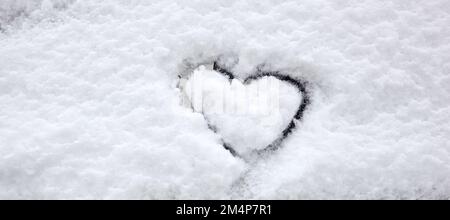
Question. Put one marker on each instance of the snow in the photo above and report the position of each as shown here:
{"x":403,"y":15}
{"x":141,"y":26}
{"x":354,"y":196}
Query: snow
{"x":89,"y":104}
{"x":13,"y":12}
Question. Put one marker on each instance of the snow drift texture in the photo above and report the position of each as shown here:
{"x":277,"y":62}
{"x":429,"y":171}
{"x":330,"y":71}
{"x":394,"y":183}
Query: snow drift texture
{"x":89,"y":106}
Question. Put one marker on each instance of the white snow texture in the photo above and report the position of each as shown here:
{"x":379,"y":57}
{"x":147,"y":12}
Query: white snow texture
{"x":90,"y":109}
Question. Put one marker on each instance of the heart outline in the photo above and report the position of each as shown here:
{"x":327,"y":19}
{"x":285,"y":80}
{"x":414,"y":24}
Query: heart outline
{"x":299,"y":84}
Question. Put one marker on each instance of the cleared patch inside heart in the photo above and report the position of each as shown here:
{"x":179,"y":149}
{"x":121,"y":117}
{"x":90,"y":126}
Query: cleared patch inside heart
{"x":250,"y":115}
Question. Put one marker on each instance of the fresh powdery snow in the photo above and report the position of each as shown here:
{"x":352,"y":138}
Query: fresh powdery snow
{"x":116,"y":99}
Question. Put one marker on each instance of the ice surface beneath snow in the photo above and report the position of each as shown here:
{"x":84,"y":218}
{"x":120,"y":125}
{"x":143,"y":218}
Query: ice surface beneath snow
{"x":248,"y":117}
{"x":89,"y":106}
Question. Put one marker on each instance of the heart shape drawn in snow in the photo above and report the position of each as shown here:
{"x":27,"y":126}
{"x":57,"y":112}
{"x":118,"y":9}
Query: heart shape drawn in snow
{"x":253,"y":116}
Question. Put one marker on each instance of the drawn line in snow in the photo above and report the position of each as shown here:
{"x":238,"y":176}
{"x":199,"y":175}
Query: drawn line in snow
{"x":299,"y":84}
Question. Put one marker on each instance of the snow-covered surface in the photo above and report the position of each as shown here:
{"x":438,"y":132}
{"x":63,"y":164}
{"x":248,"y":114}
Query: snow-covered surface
{"x":13,"y":12}
{"x":89,"y":105}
